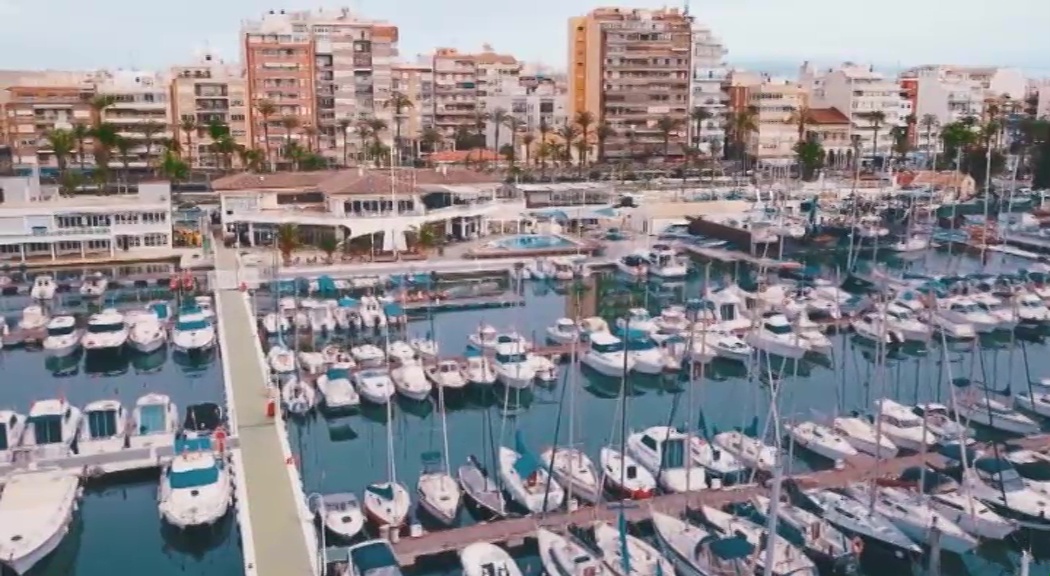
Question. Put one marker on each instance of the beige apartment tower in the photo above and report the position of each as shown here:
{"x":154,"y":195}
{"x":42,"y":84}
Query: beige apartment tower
{"x":462,"y":81}
{"x":202,"y":93}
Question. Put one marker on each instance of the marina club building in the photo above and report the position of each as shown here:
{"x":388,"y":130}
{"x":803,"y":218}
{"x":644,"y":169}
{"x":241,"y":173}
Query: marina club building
{"x":37,"y":224}
{"x":355,"y":203}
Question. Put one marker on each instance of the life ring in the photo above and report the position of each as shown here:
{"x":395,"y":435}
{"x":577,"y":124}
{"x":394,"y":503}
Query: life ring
{"x":858,"y":545}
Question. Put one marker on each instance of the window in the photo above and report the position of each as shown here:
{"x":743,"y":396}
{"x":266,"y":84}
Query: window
{"x":155,"y":239}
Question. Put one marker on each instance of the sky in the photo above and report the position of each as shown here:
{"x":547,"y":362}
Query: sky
{"x":760,"y":34}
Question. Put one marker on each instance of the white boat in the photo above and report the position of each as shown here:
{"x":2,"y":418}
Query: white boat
{"x":146,"y":334}
{"x":902,"y":321}
{"x":51,"y":428}
{"x":368,"y":355}
{"x":438,"y":494}
{"x":312,"y":362}
{"x":856,"y":518}
{"x":527,"y":482}
{"x":155,"y":421}
{"x":12,"y":426}
{"x":641,"y":558}
{"x":36,"y":514}
{"x":281,"y":359}
{"x":652,"y":359}
{"x":874,"y":327}
{"x":575,"y":472}
{"x":624,"y":476}
{"x":371,"y":558}
{"x":103,"y":428}
{"x":813,"y":334}
{"x":911,"y":514}
{"x":478,"y":370}
{"x":997,"y":483}
{"x":484,"y":559}
{"x":911,"y":244}
{"x":776,"y":337}
{"x":274,"y":323}
{"x":481,"y":490}
{"x":400,"y":352}
{"x":341,"y":515}
{"x":902,"y":426}
{"x":337,"y":391}
{"x":954,"y":314}
{"x":593,"y":325}
{"x":546,"y":370}
{"x":637,"y":321}
{"x":820,"y":440}
{"x":1036,"y":402}
{"x":196,"y":488}
{"x":33,"y":318}
{"x":787,"y":559}
{"x":665,"y":263}
{"x":410,"y":380}
{"x":980,"y":409}
{"x":942,"y":425}
{"x":863,"y":436}
{"x":1003,"y":312}
{"x":563,"y":331}
{"x":425,"y":347}
{"x":972,"y":515}
{"x":297,"y":396}
{"x":752,"y":452}
{"x":563,"y":556}
{"x":696,"y":551}
{"x":448,"y":374}
{"x":487,"y":339}
{"x":106,"y":332}
{"x":726,"y":345}
{"x":672,"y":320}
{"x":607,"y":355}
{"x":374,"y":385}
{"x":387,"y":504}
{"x":371,"y":311}
{"x":322,"y":319}
{"x":664,"y":451}
{"x":1031,"y":309}
{"x":335,"y":357}
{"x":94,"y":285}
{"x":512,"y":366}
{"x":63,"y":336}
{"x":822,"y":541}
{"x":193,"y":332}
{"x":633,"y":265}
{"x":727,"y":308}
{"x":716,"y":462}
{"x":43,"y":288}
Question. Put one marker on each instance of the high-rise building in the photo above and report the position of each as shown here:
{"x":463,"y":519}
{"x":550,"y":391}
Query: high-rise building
{"x":202,"y":93}
{"x":32,"y":103}
{"x":777,"y":103}
{"x":631,"y":67}
{"x":140,"y":112}
{"x":462,"y":80}
{"x":532,"y":99}
{"x":317,"y":68}
{"x":416,"y":83}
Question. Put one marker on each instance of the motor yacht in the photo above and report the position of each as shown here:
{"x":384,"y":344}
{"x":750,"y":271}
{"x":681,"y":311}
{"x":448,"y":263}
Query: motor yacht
{"x":312,"y":362}
{"x":371,"y":312}
{"x":575,"y":472}
{"x":637,"y":321}
{"x":902,"y":426}
{"x":725,"y":345}
{"x":649,"y":358}
{"x":940,"y":422}
{"x":863,"y":435}
{"x":665,"y":452}
{"x":368,"y":355}
{"x":106,"y":332}
{"x":387,"y":504}
{"x":274,"y":324}
{"x":51,"y":428}
{"x":426,"y":348}
{"x":33,"y":318}
{"x":527,"y":481}
{"x":487,"y":339}
{"x":12,"y":426}
{"x":146,"y":334}
{"x":1003,"y":312}
{"x":545,"y":368}
{"x":565,"y":556}
{"x":36,"y":513}
{"x":63,"y":337}
{"x":103,"y":428}
{"x":607,"y":355}
{"x":718,"y":464}
{"x":341,"y":515}
{"x":337,"y":391}
{"x":875,"y":328}
{"x":193,"y":332}
{"x":448,"y":374}
{"x":410,"y":380}
{"x":821,"y":440}
{"x":1031,"y":309}
{"x":196,"y":488}
{"x":776,"y":337}
{"x":479,"y":370}
{"x":751,"y":452}
{"x":155,"y":421}
{"x":624,"y":476}
{"x":698,"y":551}
{"x":904,"y":323}
{"x":979,"y":409}
{"x":954,"y":314}
{"x":94,"y":285}
{"x":399,"y":352}
{"x":913,"y":516}
{"x":633,"y":265}
{"x":44,"y":288}
{"x":374,"y":385}
{"x":664,"y":262}
{"x":563,"y":331}
{"x":512,"y":366}
{"x":298,"y":397}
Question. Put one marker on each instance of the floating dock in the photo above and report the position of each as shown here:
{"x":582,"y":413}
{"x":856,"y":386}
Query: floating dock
{"x":271,"y":504}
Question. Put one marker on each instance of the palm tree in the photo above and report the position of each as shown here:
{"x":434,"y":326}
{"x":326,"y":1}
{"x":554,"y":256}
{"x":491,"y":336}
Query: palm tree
{"x":149,"y":132}
{"x":287,"y":241}
{"x":544,"y":130}
{"x":105,"y":136}
{"x":311,"y":134}
{"x":123,"y":147}
{"x":901,"y":145}
{"x":741,"y":125}
{"x":62,"y":143}
{"x":430,"y":139}
{"x":289,"y":123}
{"x":481,"y":120}
{"x":328,"y":244}
{"x":266,"y":109}
{"x":217,"y":130}
{"x":929,"y":123}
{"x":344,"y":130}
{"x":697,"y":117}
{"x":568,"y":133}
{"x":602,"y":133}
{"x":225,"y":147}
{"x":398,"y":102}
{"x":99,"y":104}
{"x":584,"y":120}
{"x":377,"y":126}
{"x":667,"y":125}
{"x":526,"y":141}
{"x":364,"y":134}
{"x":876,"y":118}
{"x":800,"y":118}
{"x":190,"y":128}
{"x":498,"y":117}
{"x":81,"y":132}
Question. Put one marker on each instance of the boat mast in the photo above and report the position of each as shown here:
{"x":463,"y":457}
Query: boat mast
{"x":623,"y":411}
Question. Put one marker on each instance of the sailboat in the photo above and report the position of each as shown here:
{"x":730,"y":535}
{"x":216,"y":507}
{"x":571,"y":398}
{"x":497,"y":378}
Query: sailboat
{"x":565,"y":556}
{"x":484,"y":559}
{"x":831,"y":550}
{"x":627,"y":555}
{"x":437,"y":491}
{"x":526,"y":480}
{"x":697,"y":551}
{"x":387,"y":503}
{"x":787,"y":559}
{"x":570,"y":466}
{"x":480,"y":489}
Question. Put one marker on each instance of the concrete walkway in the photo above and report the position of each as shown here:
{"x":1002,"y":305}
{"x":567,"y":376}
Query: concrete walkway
{"x":272,"y":509}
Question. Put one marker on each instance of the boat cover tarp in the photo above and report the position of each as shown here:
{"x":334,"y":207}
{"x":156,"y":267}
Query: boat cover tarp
{"x":160,"y":309}
{"x":384,"y":491}
{"x":326,"y":284}
{"x":348,"y":302}
{"x":526,"y":464}
{"x":730,"y":548}
{"x":393,"y":309}
{"x":204,"y":417}
{"x":991,"y":465}
{"x":955,"y":451}
{"x":152,"y":419}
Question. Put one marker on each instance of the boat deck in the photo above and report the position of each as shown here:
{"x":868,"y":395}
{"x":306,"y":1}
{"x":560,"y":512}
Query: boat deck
{"x":274,"y":540}
{"x":513,"y":532}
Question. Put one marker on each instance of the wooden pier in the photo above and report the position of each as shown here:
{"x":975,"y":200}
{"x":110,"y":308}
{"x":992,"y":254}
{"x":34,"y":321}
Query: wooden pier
{"x":723,"y":256}
{"x":513,"y":532}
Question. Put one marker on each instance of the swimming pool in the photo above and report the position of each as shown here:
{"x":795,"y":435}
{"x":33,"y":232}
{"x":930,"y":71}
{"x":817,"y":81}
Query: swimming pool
{"x":532,"y":242}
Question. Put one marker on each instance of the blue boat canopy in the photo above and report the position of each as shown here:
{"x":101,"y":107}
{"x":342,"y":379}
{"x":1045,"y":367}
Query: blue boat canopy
{"x":393,"y":309}
{"x":732,"y":548}
{"x":348,"y":302}
{"x":326,"y":284}
{"x":955,"y":451}
{"x":526,"y":465}
{"x":991,"y":465}
{"x":384,"y":491}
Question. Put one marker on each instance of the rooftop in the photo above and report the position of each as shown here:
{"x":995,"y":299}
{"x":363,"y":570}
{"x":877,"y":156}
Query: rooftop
{"x":827,"y":116}
{"x":351,"y":182}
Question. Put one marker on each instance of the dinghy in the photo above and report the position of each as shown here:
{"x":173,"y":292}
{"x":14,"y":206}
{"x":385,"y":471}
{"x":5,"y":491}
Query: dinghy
{"x":341,"y":515}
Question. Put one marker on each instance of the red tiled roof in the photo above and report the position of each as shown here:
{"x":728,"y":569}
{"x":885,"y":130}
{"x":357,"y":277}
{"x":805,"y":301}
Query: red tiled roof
{"x":827,"y":116}
{"x":274,"y":181}
{"x":463,"y":156}
{"x":378,"y":181}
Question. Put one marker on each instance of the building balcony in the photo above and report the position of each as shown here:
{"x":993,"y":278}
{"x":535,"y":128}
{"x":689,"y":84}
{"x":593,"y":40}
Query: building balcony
{"x":83,"y":233}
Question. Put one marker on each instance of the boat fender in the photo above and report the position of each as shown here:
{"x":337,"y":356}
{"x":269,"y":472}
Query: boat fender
{"x":858,"y":545}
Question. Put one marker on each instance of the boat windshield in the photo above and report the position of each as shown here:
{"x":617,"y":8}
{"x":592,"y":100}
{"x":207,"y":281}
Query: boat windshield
{"x":193,"y":478}
{"x":193,"y":324}
{"x":102,"y":424}
{"x":607,"y":348}
{"x":898,"y":314}
{"x":152,"y":419}
{"x":673,"y":453}
{"x":640,"y":345}
{"x":964,"y":308}
{"x":1007,"y":480}
{"x":1031,"y":302}
{"x":61,"y":330}
{"x":778,"y":329}
{"x":3,"y":437}
{"x":510,"y":358}
{"x":47,"y":429}
{"x":103,"y":328}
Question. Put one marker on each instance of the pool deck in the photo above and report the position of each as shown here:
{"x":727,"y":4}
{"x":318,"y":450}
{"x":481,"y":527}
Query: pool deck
{"x":271,"y":504}
{"x":569,"y":246}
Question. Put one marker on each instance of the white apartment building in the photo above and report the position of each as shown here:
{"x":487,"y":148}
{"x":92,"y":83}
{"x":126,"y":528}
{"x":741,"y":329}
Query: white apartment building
{"x":140,"y":113}
{"x":36,"y":224}
{"x":858,"y":92}
{"x":530,"y":99}
{"x":709,"y":73}
{"x":777,"y":101}
{"x":205,"y":92}
{"x":461,"y":81}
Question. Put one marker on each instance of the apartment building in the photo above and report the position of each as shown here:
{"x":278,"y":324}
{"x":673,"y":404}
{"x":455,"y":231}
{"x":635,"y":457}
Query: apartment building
{"x":629,"y":68}
{"x":777,"y":102}
{"x":709,"y":74}
{"x":531,"y":99}
{"x":32,"y":103}
{"x":140,"y":112}
{"x":859,"y":92}
{"x":943,"y":94}
{"x":462,"y":81}
{"x":994,"y":81}
{"x":204,"y":92}
{"x":416,"y":83}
